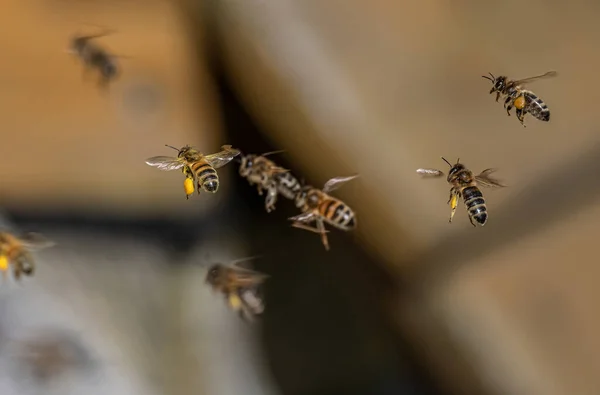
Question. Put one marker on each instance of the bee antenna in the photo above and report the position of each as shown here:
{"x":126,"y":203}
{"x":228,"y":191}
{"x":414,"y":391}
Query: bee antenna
{"x":249,"y":258}
{"x":273,"y":152}
{"x":444,"y":159}
{"x":170,"y":146}
{"x":458,"y":160}
{"x":491,"y":79}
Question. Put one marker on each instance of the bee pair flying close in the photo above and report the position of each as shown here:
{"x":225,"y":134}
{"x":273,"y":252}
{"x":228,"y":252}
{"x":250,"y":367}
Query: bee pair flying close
{"x":524,"y":101}
{"x":316,"y":205}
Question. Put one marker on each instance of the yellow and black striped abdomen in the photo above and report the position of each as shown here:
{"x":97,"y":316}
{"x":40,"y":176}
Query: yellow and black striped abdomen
{"x":337,"y":214}
{"x":475,"y":204}
{"x":206,"y":176}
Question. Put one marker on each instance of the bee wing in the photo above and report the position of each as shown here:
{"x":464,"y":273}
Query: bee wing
{"x":273,"y":152}
{"x":485,"y":180}
{"x":166,"y":163}
{"x":304,"y":217}
{"x":337,"y":182}
{"x":430,"y":172}
{"x":36,"y":241}
{"x":548,"y":74}
{"x":222,"y":158}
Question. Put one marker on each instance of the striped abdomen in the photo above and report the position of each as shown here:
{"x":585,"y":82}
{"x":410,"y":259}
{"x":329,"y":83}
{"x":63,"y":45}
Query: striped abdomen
{"x":287,"y":185}
{"x":536,"y":106}
{"x":475,"y":204}
{"x":206,"y":176}
{"x":337,"y":214}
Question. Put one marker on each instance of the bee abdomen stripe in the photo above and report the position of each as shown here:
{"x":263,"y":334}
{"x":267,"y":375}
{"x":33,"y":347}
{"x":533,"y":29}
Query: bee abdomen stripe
{"x":326,"y":207}
{"x":476,"y":201}
{"x":471,"y":193}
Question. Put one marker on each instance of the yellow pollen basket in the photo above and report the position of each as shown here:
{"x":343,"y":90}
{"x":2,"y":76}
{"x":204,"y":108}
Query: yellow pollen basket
{"x":188,"y":186}
{"x":520,"y":102}
{"x":3,"y":263}
{"x":234,"y":301}
{"x":454,"y":202}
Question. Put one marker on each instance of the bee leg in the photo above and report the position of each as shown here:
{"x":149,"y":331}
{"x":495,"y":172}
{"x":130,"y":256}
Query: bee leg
{"x":508,"y":99}
{"x":454,"y":196}
{"x":497,"y":96}
{"x":271,"y":199}
{"x":521,"y":116}
{"x":323,"y":231}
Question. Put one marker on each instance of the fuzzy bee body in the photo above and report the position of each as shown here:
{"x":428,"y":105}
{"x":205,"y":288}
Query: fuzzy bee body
{"x":95,"y":57}
{"x":319,"y":207}
{"x":240,"y":286}
{"x":266,"y":175}
{"x":14,"y":250}
{"x":465,"y":185}
{"x":196,"y":166}
{"x":524,"y":101}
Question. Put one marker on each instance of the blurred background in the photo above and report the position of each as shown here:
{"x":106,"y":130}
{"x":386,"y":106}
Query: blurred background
{"x":406,"y":304}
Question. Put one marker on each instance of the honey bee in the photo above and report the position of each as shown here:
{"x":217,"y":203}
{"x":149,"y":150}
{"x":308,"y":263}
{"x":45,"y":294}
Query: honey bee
{"x":196,"y":166}
{"x":319,"y":207}
{"x":259,"y":170}
{"x":95,"y":57}
{"x":524,"y":101}
{"x":14,"y":250}
{"x":240,"y":286}
{"x":465,"y":185}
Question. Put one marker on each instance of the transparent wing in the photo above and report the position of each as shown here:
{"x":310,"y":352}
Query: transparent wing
{"x":430,"y":172}
{"x":337,"y":182}
{"x":243,"y":277}
{"x":166,"y":163}
{"x":304,"y":217}
{"x":549,"y":74}
{"x":222,"y":158}
{"x":273,"y":152}
{"x":36,"y":241}
{"x":485,"y":180}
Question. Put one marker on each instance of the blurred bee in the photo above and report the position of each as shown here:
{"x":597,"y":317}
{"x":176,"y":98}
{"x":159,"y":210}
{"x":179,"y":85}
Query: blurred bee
{"x":14,"y":250}
{"x":465,"y":185}
{"x":95,"y":57}
{"x":523,"y":100}
{"x":259,"y":170}
{"x":319,"y":207}
{"x":240,"y":286}
{"x":196,"y":166}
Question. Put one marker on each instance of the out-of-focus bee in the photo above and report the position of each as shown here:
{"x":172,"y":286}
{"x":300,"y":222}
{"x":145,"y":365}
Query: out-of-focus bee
{"x":465,"y":185}
{"x":14,"y":250}
{"x":266,"y":175}
{"x":523,"y":100}
{"x":319,"y":207}
{"x":240,"y":286}
{"x":196,"y":166}
{"x":94,"y":56}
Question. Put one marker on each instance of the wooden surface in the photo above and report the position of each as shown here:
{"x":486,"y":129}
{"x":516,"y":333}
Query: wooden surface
{"x":65,"y":143}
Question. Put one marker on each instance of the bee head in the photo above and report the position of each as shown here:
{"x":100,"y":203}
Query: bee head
{"x":498,"y":83}
{"x":184,"y":151}
{"x":109,"y":69}
{"x":454,"y":168}
{"x":214,"y":274}
{"x":246,"y":163}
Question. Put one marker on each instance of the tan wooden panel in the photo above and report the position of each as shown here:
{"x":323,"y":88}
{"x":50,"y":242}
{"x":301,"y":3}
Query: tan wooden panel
{"x":66,"y":143}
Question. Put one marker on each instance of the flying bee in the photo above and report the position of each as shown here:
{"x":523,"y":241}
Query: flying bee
{"x":96,"y":57}
{"x":465,"y":185}
{"x":15,"y":251}
{"x":240,"y":286}
{"x":524,"y":101}
{"x":196,"y":166}
{"x":319,"y":207}
{"x":266,"y":175}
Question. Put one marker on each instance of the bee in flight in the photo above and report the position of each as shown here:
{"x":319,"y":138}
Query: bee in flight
{"x":196,"y":166}
{"x":524,"y":101}
{"x":266,"y":175}
{"x":15,"y":251}
{"x":94,"y":56}
{"x":465,"y":185}
{"x":319,"y":207}
{"x":240,"y":286}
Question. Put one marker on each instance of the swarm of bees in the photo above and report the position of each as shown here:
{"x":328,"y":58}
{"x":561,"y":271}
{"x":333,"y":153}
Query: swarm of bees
{"x":316,"y":206}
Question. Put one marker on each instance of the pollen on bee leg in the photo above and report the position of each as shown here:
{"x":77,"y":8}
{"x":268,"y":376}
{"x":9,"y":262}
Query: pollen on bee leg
{"x":3,"y":263}
{"x":520,"y":102}
{"x":188,"y":186}
{"x":235,"y":302}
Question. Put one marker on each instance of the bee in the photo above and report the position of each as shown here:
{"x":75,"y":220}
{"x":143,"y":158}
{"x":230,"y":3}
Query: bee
{"x":319,"y":207}
{"x":259,"y":170}
{"x":240,"y":286}
{"x":14,"y":250}
{"x":95,"y":57}
{"x":524,"y":101}
{"x":196,"y":166}
{"x":465,"y":185}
